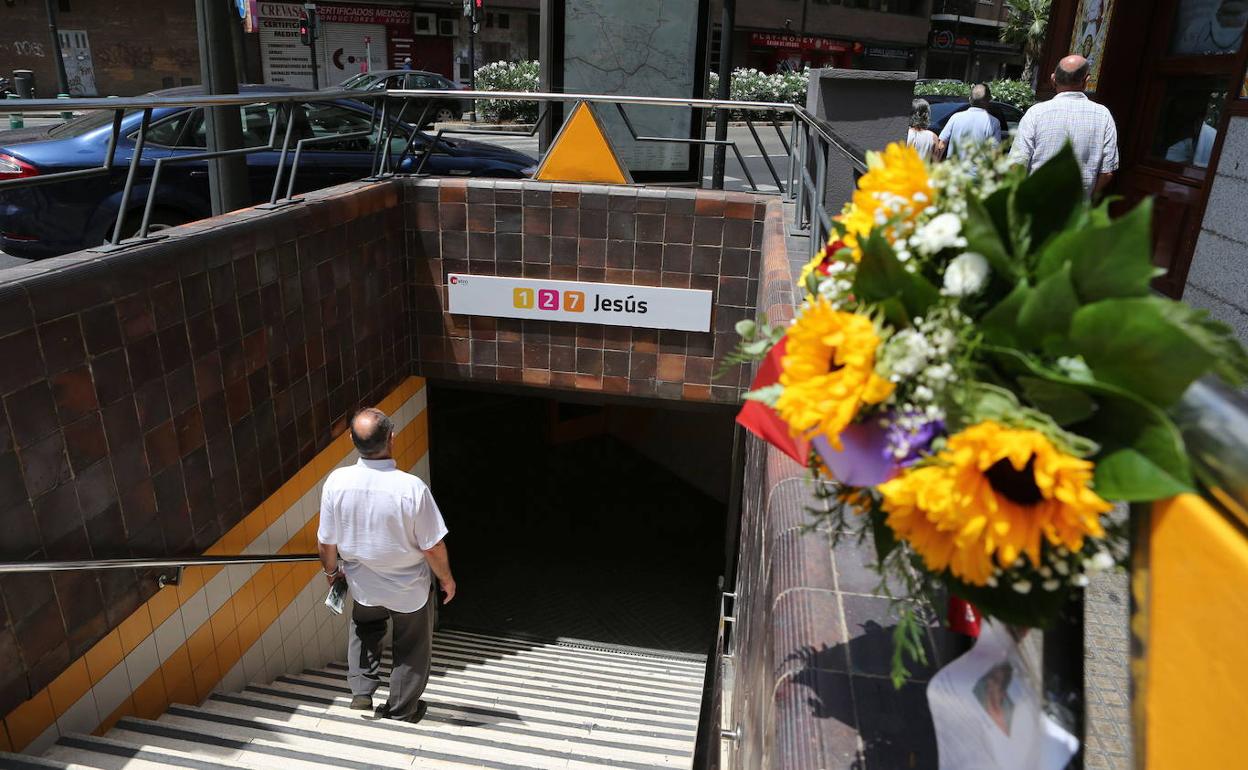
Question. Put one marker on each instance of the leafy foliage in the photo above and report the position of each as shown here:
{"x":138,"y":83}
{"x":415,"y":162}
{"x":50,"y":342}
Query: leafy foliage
{"x":1016,"y":92}
{"x":1027,"y":24}
{"x":508,"y":76}
{"x":751,"y":85}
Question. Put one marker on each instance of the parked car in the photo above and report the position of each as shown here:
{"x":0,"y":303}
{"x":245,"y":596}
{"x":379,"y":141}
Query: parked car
{"x":944,"y":107}
{"x":60,"y":217}
{"x":443,"y":110}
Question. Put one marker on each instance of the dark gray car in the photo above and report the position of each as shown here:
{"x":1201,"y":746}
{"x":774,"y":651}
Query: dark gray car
{"x":441,"y":111}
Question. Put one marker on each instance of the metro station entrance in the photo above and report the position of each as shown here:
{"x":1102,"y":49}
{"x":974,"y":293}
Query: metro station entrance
{"x":590,"y":521}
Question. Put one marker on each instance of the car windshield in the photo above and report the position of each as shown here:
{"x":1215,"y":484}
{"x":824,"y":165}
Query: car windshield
{"x":361,"y":81}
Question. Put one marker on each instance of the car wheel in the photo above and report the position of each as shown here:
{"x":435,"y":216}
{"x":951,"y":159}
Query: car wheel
{"x":445,"y":115}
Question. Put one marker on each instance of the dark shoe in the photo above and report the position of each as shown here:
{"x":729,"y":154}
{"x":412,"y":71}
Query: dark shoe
{"x":362,"y":703}
{"x":421,"y":708}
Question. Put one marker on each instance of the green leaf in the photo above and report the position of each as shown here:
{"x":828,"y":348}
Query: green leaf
{"x":1000,"y":324}
{"x":1044,"y":317}
{"x":1230,"y":360}
{"x":1144,"y":345}
{"x":1066,"y":405}
{"x":768,"y":395}
{"x":1107,"y":261}
{"x":1128,"y":474}
{"x":881,"y":276}
{"x":1050,"y":195}
{"x":983,"y":236}
{"x":745,"y":328}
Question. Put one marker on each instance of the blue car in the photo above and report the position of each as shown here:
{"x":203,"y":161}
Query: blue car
{"x":57,"y":218}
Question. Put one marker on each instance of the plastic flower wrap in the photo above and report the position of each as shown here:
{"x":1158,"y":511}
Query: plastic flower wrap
{"x":982,"y":371}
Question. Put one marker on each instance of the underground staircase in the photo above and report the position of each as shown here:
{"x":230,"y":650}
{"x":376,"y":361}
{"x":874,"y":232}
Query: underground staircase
{"x":494,"y":702}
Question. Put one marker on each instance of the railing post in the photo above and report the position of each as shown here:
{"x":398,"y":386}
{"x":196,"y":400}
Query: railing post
{"x":131,"y":174}
{"x":817,"y":200}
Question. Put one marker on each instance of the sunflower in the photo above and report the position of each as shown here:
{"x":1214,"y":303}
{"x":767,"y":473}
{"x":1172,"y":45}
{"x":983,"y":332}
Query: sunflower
{"x":829,"y":371}
{"x":993,"y":492}
{"x":896,"y":187}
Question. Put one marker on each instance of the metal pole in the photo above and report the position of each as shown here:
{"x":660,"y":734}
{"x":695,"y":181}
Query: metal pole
{"x":313,"y":22}
{"x":228,"y":186}
{"x":62,"y":80}
{"x":472,"y":60}
{"x":727,"y":27}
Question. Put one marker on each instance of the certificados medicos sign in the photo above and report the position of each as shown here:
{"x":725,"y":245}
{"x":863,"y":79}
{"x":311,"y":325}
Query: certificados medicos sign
{"x":612,"y":304}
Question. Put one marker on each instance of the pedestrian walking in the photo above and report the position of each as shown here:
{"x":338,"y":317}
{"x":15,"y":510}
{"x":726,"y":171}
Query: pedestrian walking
{"x":920,"y":137}
{"x":1070,"y":117}
{"x":972,"y":126}
{"x":382,"y":533}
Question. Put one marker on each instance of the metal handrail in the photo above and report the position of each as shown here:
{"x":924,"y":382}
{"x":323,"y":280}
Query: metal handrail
{"x":811,"y":140}
{"x":153,"y":562}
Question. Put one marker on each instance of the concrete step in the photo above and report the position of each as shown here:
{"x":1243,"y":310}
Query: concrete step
{"x":493,"y":702}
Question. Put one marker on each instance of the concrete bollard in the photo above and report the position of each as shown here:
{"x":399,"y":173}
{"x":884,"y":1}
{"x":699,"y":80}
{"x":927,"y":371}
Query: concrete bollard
{"x":16,"y":119}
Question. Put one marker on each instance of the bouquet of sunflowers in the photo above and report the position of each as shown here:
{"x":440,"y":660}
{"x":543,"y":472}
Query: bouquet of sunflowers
{"x":979,"y":364}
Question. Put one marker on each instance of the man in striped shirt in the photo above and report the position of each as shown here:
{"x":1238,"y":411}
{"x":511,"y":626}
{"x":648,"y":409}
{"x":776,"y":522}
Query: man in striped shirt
{"x":1072,"y":117}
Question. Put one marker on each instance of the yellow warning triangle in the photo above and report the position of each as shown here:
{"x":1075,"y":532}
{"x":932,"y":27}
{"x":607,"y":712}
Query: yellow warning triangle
{"x":582,"y":152}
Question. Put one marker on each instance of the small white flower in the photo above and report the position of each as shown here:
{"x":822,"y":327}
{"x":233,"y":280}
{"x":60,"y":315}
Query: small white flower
{"x":1099,"y":563}
{"x":1080,"y":581}
{"x":940,"y":233}
{"x":1022,"y":586}
{"x":966,"y":275}
{"x":1051,"y":585}
{"x":991,"y":581}
{"x":923,"y":393}
{"x":1061,"y":567}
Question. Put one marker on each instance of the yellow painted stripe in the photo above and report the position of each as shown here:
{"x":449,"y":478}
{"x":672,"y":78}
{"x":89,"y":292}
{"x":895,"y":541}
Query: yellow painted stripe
{"x":210,"y":651}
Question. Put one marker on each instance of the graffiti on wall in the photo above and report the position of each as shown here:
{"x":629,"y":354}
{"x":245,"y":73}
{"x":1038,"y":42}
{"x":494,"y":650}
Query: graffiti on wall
{"x":31,"y":48}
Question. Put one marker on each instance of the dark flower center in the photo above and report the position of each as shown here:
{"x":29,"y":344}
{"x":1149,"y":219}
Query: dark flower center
{"x":1016,"y":486}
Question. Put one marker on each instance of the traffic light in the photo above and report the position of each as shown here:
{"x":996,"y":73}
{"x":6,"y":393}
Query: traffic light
{"x":478,"y":10}
{"x":307,"y":27}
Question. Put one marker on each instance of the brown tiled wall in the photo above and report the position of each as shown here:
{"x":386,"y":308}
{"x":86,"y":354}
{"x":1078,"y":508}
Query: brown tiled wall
{"x":153,"y":396}
{"x":670,"y":237}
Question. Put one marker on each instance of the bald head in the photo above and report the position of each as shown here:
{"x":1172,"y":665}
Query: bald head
{"x":371,"y":431}
{"x":1071,"y":73}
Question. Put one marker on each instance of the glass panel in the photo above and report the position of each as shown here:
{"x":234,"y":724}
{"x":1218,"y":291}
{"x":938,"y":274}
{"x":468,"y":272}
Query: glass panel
{"x":166,"y":133}
{"x":1188,"y":125}
{"x":328,"y":120}
{"x":1204,"y":27}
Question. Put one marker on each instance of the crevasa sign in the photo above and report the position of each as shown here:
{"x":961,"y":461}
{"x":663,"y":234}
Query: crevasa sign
{"x":612,"y":304}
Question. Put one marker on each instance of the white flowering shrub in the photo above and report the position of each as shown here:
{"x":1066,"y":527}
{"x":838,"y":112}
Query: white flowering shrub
{"x":1015,"y":92}
{"x":508,"y":76}
{"x":751,"y":85}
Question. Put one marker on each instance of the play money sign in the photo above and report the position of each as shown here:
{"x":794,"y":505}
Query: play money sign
{"x":612,"y":304}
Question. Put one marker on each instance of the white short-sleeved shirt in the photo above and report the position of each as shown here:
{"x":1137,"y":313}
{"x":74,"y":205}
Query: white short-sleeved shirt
{"x":974,"y":125}
{"x":381,"y":519}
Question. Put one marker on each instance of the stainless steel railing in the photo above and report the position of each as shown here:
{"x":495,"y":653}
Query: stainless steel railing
{"x":808,"y":144}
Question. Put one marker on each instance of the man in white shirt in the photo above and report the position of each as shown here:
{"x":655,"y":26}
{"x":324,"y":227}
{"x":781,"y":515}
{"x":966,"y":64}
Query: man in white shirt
{"x":1072,"y":117}
{"x":972,"y":126}
{"x":381,"y":531}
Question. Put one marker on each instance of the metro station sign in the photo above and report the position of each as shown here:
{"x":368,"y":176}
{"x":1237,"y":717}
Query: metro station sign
{"x":610,"y":304}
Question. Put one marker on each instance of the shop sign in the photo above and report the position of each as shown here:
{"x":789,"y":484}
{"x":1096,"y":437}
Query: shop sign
{"x":611,"y":304}
{"x":996,"y":46}
{"x":798,"y":42}
{"x":946,"y":40}
{"x":888,"y":53}
{"x":349,"y":14}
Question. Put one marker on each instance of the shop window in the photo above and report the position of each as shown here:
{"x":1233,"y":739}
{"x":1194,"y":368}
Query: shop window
{"x":1188,"y":124}
{"x":1203,"y":28}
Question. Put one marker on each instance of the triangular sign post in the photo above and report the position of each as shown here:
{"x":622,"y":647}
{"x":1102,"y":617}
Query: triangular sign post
{"x":582,"y":152}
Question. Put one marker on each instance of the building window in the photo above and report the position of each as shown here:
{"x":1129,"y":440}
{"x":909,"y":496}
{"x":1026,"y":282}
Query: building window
{"x":504,"y":21}
{"x":489,"y":20}
{"x":63,"y":6}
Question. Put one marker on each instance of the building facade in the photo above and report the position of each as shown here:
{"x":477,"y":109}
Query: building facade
{"x":965,"y":42}
{"x":105,"y":48}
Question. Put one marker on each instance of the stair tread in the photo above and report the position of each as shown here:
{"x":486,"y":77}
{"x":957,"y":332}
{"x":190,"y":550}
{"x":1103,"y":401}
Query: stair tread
{"x":12,"y":761}
{"x":432,"y":733}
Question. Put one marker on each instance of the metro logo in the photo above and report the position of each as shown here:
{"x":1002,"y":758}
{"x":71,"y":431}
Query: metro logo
{"x":523,"y":297}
